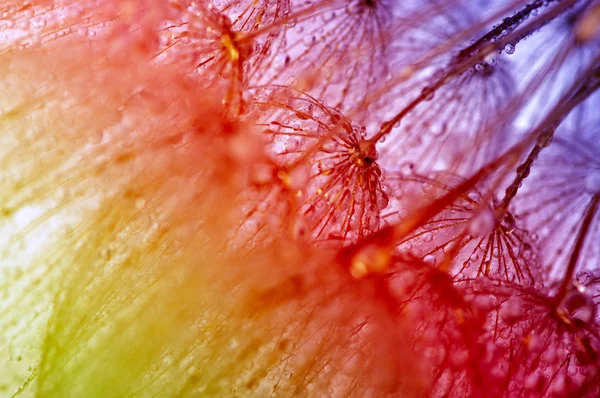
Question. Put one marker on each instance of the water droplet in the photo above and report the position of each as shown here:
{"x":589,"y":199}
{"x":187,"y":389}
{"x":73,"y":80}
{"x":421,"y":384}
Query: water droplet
{"x":526,"y":252}
{"x":584,"y":277}
{"x":291,"y":23}
{"x":309,"y":40}
{"x":510,"y":48}
{"x":508,"y":223}
{"x":430,"y":259}
{"x":438,"y":129}
{"x":407,"y":168}
{"x":354,"y":7}
{"x":427,"y":236}
{"x":328,"y":16}
{"x":577,"y":307}
{"x":382,"y":200}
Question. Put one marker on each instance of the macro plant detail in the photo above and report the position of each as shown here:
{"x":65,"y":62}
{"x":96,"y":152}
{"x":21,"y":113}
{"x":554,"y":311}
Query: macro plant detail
{"x":328,"y":162}
{"x":281,"y":198}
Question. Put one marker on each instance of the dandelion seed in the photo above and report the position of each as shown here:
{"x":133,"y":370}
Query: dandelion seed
{"x":344,"y":192}
{"x":468,"y":235}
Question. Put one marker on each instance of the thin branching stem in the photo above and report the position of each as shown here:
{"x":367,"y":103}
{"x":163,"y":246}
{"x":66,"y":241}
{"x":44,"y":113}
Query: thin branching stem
{"x":580,"y":240}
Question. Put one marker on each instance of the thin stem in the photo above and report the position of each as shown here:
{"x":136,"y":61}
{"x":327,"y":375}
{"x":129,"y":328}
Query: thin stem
{"x":579,"y":95}
{"x":507,"y":24}
{"x":523,"y":172}
{"x":473,"y":54}
{"x":581,"y":89}
{"x":292,"y":18}
{"x":586,"y":223}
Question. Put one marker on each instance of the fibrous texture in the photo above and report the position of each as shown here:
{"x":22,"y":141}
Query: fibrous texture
{"x":299,"y":198}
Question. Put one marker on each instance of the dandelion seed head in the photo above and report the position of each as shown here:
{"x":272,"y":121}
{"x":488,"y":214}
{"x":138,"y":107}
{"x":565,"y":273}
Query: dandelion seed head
{"x":190,"y":195}
{"x":365,"y":153}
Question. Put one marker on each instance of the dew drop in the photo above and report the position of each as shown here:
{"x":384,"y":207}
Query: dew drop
{"x":430,"y":259}
{"x":427,"y":236}
{"x":508,"y":223}
{"x":510,"y":48}
{"x":584,"y":277}
{"x":328,"y":16}
{"x":438,"y":129}
{"x":291,"y":23}
{"x":526,"y":252}
{"x":383,"y":200}
{"x":309,"y":40}
{"x":354,"y":7}
{"x":578,"y":307}
{"x":510,"y":276}
{"x":407,"y":168}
